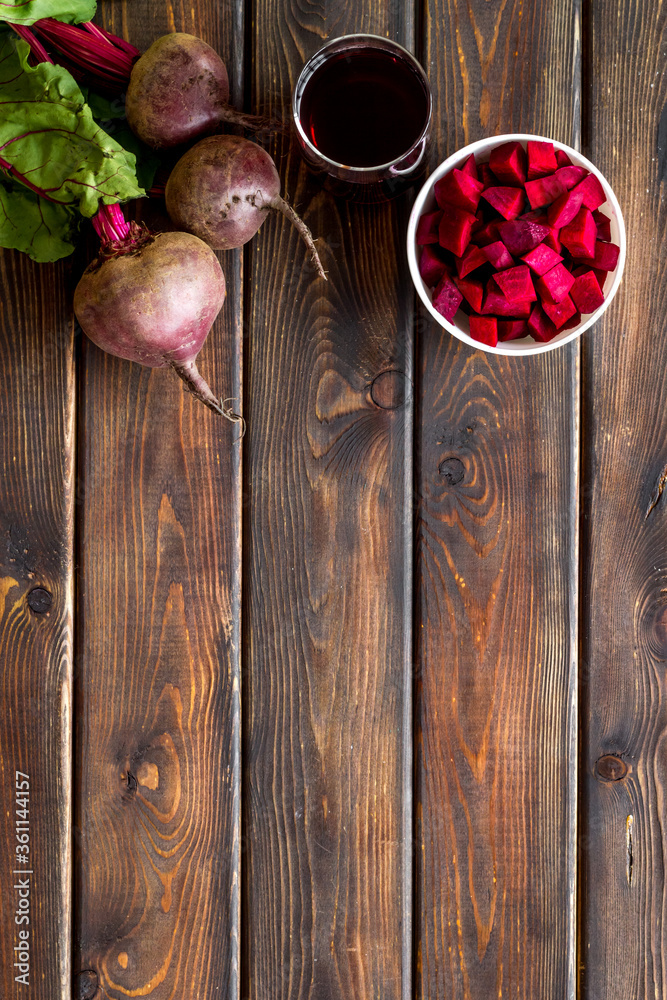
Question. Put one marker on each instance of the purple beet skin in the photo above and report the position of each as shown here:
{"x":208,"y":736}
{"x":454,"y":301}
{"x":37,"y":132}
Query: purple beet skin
{"x":224,"y":188}
{"x":152,"y":298}
{"x":179,"y":90}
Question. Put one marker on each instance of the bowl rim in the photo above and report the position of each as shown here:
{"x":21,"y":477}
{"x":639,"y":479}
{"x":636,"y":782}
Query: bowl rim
{"x":463,"y":153}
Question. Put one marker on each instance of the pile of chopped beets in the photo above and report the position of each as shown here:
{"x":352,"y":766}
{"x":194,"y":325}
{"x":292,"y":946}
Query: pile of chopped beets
{"x":518,"y":243}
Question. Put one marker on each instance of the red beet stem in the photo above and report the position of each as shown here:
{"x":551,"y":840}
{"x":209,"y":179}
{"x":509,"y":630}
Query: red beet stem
{"x":117,"y":236}
{"x":199,"y":387}
{"x":110,"y":224}
{"x":36,"y":46}
{"x":90,"y":53}
{"x":304,"y":232}
{"x":106,"y":36}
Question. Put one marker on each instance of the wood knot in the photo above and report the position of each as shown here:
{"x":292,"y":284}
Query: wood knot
{"x":452,"y":470}
{"x":86,"y":985}
{"x":388,"y":389}
{"x":129,"y":785}
{"x":610,"y":767}
{"x":148,"y":775}
{"x":39,"y":600}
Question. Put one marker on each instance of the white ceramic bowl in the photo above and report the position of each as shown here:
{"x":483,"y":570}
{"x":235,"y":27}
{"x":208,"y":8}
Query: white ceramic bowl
{"x":425,"y":202}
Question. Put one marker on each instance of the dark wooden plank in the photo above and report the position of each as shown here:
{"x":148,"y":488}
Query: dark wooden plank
{"x":36,"y":597}
{"x":327,"y":647}
{"x":624,"y":538}
{"x":158,"y":746}
{"x":496,"y":579}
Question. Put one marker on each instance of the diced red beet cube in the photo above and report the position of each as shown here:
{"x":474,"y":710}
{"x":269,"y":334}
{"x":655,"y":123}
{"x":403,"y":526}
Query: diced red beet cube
{"x":493,"y":298}
{"x":446,"y":297}
{"x":506,"y":200}
{"x":431,"y":265}
{"x":508,"y":163}
{"x":540,"y":326}
{"x":473,"y":258}
{"x":605,"y":258}
{"x":570,"y":176}
{"x":562,"y":159}
{"x":536,"y":215}
{"x":512,"y":329}
{"x":559,"y":312}
{"x":586,"y":293}
{"x":470,"y":167}
{"x":564,"y":209}
{"x":516,"y":284}
{"x":479,"y":221}
{"x":600,"y":275}
{"x":455,"y":230}
{"x":484,"y":329}
{"x":520,"y":236}
{"x":544,"y":190}
{"x":496,"y":304}
{"x":427,"y":228}
{"x":571,"y":323}
{"x":498,"y":255}
{"x":472,"y":291}
{"x":486,"y":176}
{"x":552,"y":240}
{"x":555,"y":284}
{"x":541,"y":259}
{"x":579,"y":236}
{"x":541,"y":159}
{"x":539,"y":215}
{"x":487,"y":234}
{"x":592,"y":192}
{"x":604,"y":225}
{"x":459,"y":189}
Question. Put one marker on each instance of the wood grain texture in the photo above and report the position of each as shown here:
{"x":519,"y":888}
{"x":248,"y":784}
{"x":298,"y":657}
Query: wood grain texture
{"x":36,"y":552}
{"x":624,"y":638}
{"x":158,"y":679}
{"x":327,"y":742}
{"x":496,"y":584}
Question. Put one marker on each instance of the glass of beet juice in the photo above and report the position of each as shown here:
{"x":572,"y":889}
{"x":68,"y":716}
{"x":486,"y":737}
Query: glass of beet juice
{"x":362,"y":109}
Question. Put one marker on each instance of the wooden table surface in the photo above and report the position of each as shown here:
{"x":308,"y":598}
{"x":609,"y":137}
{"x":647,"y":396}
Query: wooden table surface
{"x":372,"y":704}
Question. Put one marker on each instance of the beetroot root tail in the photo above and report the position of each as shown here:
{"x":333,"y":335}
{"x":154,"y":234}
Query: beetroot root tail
{"x":199,"y":387}
{"x":304,"y":232}
{"x":254,"y":123}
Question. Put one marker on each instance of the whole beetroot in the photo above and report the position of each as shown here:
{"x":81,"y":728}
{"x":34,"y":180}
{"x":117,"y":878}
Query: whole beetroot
{"x":152,"y":298}
{"x":179,"y":90}
{"x":223,"y":189}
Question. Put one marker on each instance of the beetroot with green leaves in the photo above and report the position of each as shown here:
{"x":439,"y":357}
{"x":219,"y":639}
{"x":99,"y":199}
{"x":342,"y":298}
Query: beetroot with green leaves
{"x":177,"y":91}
